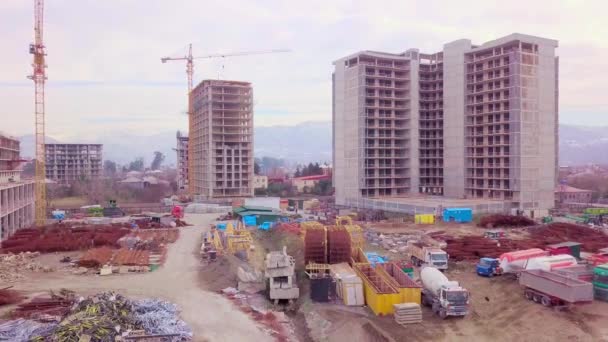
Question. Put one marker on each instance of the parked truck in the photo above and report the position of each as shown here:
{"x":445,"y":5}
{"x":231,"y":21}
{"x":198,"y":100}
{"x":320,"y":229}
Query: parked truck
{"x":445,"y":297}
{"x":551,"y":288}
{"x":488,"y":267}
{"x":423,"y":254}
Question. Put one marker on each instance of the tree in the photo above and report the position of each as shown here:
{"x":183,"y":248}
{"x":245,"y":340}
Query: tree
{"x":137,"y":164}
{"x":159,"y":157}
{"x":298,"y":172}
{"x":256,"y":167}
{"x":109,"y":168}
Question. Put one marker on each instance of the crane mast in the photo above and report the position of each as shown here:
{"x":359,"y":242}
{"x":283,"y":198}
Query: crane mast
{"x":39,"y":78}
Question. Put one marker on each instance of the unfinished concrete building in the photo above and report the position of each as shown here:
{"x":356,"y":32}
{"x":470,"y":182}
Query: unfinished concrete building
{"x":222,"y":139}
{"x":467,"y":122}
{"x":16,"y":194}
{"x":182,"y":160}
{"x":66,"y":163}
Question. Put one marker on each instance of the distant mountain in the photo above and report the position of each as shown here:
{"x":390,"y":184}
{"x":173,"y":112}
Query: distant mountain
{"x":583,"y":145}
{"x":311,"y":141}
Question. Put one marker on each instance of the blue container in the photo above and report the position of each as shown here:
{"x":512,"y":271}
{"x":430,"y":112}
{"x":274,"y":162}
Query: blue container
{"x":221,"y":226}
{"x":458,"y":215}
{"x":250,"y":220}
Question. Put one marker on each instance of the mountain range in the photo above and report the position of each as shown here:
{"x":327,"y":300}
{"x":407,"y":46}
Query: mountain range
{"x":311,"y":142}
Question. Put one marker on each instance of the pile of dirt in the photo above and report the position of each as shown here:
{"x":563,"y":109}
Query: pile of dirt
{"x":506,"y":221}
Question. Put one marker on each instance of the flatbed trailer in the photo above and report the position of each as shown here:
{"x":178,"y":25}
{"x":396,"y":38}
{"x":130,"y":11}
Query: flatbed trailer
{"x":551,"y":289}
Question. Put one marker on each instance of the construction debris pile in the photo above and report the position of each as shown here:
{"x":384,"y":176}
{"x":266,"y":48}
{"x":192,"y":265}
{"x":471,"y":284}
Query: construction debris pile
{"x":11,"y":266}
{"x":394,"y":243}
{"x":103,"y":317}
{"x":63,"y":237}
{"x":499,"y":220}
{"x":46,"y":308}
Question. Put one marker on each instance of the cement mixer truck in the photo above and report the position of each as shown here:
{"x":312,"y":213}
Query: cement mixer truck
{"x":445,"y":297}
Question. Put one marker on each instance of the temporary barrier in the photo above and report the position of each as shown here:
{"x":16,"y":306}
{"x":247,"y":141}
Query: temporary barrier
{"x":379,"y":294}
{"x":424,"y":219}
{"x":410,"y":291}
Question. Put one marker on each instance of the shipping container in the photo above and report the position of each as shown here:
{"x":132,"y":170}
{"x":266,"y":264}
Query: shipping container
{"x":461,"y":215}
{"x":424,"y":219}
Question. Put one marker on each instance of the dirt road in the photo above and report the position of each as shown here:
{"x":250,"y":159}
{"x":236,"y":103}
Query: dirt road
{"x":211,"y":316}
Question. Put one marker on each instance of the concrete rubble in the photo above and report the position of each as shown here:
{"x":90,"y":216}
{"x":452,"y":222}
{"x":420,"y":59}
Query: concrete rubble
{"x":280,"y":271}
{"x":12,"y":265}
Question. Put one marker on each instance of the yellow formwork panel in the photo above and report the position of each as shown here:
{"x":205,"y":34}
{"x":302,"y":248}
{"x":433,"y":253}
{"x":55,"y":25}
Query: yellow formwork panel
{"x":424,"y":219}
{"x":381,"y":303}
{"x":410,"y":292}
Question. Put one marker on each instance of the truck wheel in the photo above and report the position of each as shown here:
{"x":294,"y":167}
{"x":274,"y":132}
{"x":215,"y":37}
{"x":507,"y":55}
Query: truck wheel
{"x":490,"y":275}
{"x":443,"y":314}
{"x":528,"y":295}
{"x":536,"y":298}
{"x":546,"y":301}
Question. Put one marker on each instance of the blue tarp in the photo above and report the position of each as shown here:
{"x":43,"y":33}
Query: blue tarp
{"x":250,"y":220}
{"x":284,"y":219}
{"x":221,"y":226}
{"x":374,"y":258}
{"x":458,"y":215}
{"x":266,"y":225}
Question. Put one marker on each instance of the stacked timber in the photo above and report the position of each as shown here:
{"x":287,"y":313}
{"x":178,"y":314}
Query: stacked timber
{"x":407,"y":313}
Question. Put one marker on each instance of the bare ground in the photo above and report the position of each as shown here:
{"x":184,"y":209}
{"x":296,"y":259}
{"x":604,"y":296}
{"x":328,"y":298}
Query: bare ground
{"x":211,"y":316}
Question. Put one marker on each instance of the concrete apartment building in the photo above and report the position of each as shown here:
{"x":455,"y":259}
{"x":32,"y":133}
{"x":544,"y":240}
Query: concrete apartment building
{"x":66,"y":163}
{"x":182,"y":160}
{"x":16,"y":194}
{"x":222,"y":139}
{"x":471,"y":125}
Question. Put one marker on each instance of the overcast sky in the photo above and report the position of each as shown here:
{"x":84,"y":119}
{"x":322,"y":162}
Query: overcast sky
{"x":105,"y":73}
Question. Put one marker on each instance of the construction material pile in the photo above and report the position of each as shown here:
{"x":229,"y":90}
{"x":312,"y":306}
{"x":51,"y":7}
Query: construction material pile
{"x":507,"y":221}
{"x":407,"y":313}
{"x":8,"y":297}
{"x":475,"y":247}
{"x":149,"y":239}
{"x":50,"y":308}
{"x":63,"y":237}
{"x":96,"y":257}
{"x":293,"y":227}
{"x":103,"y":317}
{"x":591,"y":239}
{"x":12,"y":265}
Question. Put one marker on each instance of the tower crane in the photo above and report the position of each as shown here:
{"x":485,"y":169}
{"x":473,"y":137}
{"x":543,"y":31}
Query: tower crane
{"x":189,"y":58}
{"x":39,"y":78}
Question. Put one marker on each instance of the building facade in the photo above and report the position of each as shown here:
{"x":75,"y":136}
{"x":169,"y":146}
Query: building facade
{"x":222,"y":139}
{"x":16,"y":194}
{"x":66,"y":163}
{"x":182,"y":160}
{"x":260,"y":182}
{"x":467,"y":122}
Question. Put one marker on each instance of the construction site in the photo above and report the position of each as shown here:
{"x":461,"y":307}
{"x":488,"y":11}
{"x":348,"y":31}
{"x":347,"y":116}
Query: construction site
{"x":416,"y":238}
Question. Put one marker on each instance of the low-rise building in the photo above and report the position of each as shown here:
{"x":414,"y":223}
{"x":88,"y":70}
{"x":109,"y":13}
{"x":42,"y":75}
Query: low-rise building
{"x":568,"y":194}
{"x":308,"y":182}
{"x":260,"y":182}
{"x":16,"y":194}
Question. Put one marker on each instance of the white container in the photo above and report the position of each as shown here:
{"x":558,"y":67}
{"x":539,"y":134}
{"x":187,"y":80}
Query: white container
{"x":349,"y":286}
{"x":549,"y":263}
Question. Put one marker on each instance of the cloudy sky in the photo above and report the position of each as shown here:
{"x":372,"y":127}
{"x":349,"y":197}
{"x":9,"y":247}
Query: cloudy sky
{"x":105,"y":73}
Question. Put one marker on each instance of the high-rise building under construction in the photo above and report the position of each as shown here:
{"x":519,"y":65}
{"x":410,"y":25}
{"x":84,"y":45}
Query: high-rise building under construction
{"x":468,"y":122}
{"x":222,"y":139}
